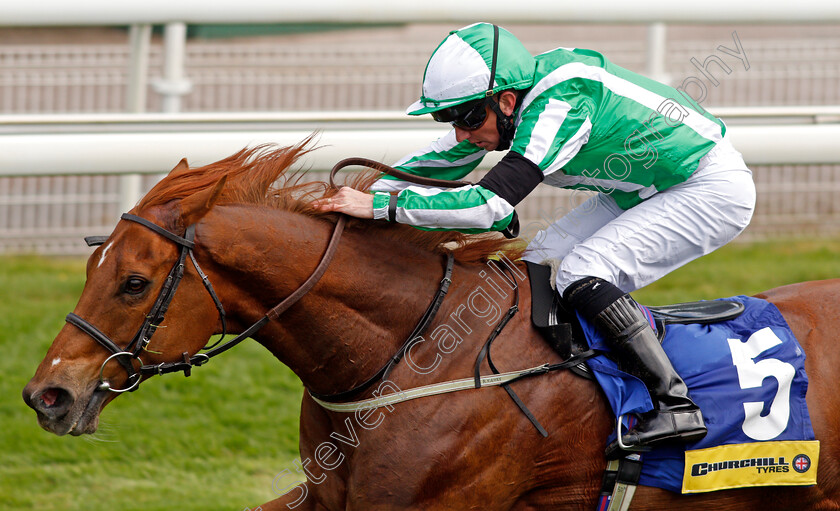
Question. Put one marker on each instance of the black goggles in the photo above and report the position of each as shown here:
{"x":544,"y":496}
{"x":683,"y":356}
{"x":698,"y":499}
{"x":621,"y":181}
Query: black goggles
{"x":467,"y":116}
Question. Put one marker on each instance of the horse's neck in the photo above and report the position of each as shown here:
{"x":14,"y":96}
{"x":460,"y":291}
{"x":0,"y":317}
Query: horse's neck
{"x":347,"y":326}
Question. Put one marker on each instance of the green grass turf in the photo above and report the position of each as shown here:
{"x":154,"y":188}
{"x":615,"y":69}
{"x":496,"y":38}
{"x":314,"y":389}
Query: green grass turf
{"x":217,"y":440}
{"x":213,"y":441}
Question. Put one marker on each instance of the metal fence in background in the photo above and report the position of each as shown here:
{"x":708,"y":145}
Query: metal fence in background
{"x":51,"y":214}
{"x":282,"y":76}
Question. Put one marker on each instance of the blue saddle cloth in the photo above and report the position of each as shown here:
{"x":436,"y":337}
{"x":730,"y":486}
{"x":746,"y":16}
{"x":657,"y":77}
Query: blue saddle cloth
{"x":703,"y":356}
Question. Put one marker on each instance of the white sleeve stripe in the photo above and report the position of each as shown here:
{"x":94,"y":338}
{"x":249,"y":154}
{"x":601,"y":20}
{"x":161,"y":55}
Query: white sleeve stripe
{"x":446,"y":163}
{"x":696,"y":121}
{"x":545,"y":130}
{"x":571,"y":147}
{"x":477,"y":217}
{"x":441,"y":145}
{"x":430,"y":190}
{"x":380,"y":213}
{"x":565,"y":180}
{"x":390,"y":185}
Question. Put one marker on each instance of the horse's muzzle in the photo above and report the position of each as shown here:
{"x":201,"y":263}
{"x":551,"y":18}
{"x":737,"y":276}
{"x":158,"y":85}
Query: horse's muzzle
{"x":59,"y":410}
{"x":52,"y":402}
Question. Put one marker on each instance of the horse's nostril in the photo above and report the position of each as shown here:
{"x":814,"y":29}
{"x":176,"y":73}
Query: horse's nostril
{"x":50,"y":397}
{"x":53,"y":402}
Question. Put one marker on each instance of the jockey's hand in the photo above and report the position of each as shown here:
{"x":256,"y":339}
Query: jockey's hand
{"x":348,"y":201}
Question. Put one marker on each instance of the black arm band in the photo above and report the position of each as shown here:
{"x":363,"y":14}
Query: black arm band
{"x":513,"y":178}
{"x":392,"y":208}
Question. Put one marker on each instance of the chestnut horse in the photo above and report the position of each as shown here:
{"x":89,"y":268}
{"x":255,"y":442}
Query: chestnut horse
{"x":258,"y":241}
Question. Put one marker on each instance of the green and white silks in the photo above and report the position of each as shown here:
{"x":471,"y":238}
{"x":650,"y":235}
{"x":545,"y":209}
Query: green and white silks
{"x":587,"y":124}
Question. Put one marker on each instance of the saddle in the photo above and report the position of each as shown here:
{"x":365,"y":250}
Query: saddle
{"x":559,"y":325}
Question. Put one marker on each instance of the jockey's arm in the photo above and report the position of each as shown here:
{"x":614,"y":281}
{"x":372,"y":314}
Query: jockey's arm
{"x":486,"y":206}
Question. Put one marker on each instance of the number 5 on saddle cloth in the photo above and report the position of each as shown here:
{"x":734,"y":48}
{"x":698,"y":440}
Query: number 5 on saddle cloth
{"x":743,"y":367}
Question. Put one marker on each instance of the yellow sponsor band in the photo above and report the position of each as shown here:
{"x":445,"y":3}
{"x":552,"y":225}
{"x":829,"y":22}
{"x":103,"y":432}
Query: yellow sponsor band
{"x":783,"y":463}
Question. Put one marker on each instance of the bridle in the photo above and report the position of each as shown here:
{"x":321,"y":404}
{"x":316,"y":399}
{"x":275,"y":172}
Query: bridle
{"x":126,"y":356}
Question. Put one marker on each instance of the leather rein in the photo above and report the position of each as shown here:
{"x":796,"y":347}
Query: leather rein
{"x":126,"y":356}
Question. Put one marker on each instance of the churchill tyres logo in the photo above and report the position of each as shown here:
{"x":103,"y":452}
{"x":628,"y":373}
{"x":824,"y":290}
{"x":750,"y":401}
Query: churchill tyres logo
{"x":762,"y":465}
{"x":775,"y":463}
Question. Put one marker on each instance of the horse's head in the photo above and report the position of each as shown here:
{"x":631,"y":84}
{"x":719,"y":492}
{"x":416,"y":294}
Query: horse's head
{"x":131,"y":323}
{"x":107,"y":338}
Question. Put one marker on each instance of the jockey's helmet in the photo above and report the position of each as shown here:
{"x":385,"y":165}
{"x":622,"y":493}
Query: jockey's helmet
{"x":462,"y":67}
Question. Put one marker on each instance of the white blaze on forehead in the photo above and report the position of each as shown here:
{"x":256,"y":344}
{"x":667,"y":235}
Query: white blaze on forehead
{"x":56,"y":361}
{"x":104,"y":253}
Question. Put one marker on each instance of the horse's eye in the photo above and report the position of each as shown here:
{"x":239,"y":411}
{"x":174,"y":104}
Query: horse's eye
{"x":135,"y":285}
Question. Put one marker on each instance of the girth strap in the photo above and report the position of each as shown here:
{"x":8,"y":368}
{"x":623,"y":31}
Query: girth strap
{"x":619,"y":484}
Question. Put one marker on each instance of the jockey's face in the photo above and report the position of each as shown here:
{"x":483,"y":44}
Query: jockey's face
{"x":486,"y":136}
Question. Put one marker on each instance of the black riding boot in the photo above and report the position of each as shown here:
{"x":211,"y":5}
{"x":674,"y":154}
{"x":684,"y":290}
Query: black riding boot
{"x":675,"y":417}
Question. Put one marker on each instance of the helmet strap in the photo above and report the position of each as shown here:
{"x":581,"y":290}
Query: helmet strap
{"x":489,"y":92}
{"x":504,"y":125}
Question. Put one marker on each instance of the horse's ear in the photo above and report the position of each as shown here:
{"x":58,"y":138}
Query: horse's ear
{"x":194,"y":207}
{"x":182,"y":166}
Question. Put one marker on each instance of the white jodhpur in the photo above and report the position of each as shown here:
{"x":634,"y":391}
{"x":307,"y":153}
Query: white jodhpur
{"x":634,"y":248}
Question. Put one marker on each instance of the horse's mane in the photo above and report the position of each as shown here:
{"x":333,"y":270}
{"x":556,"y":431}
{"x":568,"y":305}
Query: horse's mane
{"x":263,"y":176}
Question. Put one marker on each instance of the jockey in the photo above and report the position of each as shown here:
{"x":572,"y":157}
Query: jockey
{"x":669,"y":187}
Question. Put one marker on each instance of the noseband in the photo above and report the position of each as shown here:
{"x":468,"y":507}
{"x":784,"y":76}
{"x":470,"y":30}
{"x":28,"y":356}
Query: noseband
{"x":126,"y":356}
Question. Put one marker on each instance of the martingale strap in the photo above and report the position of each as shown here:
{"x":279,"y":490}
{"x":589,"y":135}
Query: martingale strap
{"x":331,"y":402}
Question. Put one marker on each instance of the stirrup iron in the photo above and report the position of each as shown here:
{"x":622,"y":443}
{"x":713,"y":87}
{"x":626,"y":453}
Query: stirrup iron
{"x":624,"y":447}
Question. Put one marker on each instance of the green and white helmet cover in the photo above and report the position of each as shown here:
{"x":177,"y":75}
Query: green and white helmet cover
{"x":459,"y":69}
